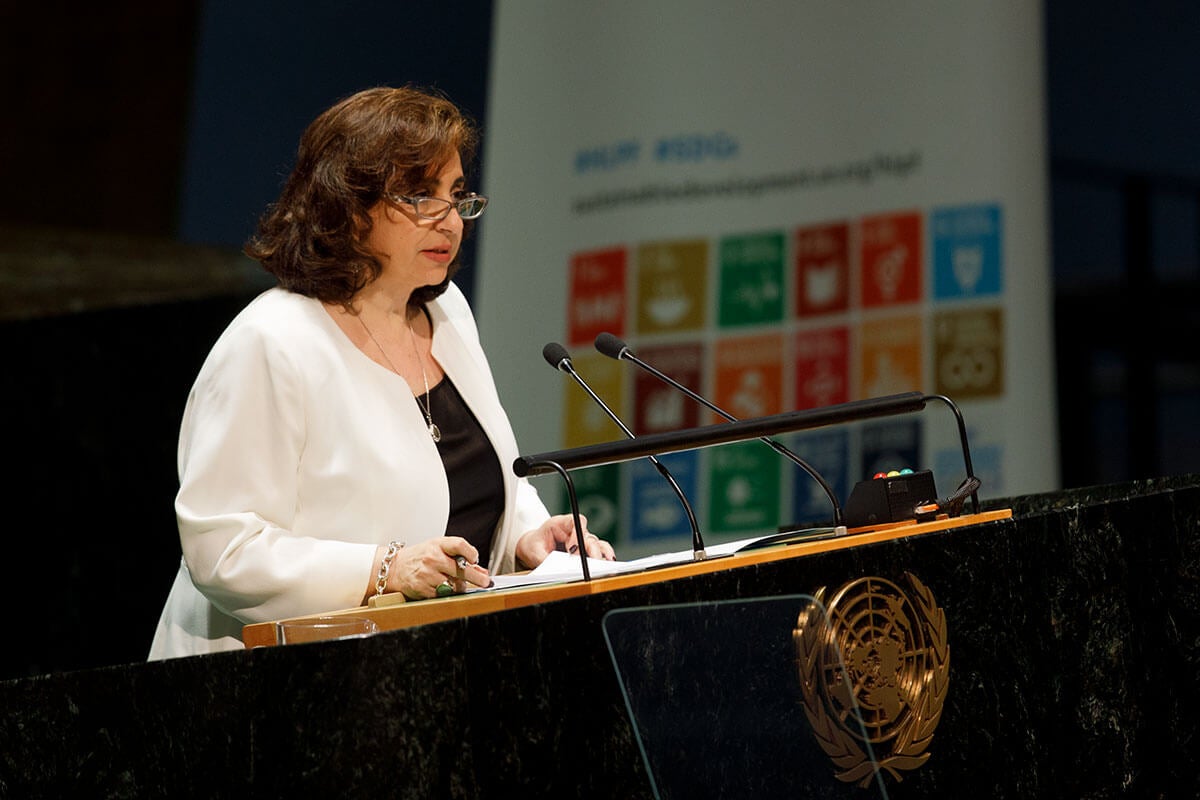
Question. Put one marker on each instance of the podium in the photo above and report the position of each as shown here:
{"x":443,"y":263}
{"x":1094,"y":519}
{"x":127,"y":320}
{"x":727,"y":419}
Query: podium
{"x":1058,"y":642}
{"x":392,"y":612}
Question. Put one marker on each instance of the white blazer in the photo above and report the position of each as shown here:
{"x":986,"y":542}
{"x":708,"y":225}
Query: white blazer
{"x":299,"y":455}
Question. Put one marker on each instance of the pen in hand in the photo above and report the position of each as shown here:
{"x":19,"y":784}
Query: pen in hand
{"x":460,"y":579}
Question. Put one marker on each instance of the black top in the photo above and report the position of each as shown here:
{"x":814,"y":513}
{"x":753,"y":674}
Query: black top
{"x":472,"y":469}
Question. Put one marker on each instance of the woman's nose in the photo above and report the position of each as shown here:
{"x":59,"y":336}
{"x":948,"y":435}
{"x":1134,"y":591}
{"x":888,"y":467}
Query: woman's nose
{"x":452,"y":221}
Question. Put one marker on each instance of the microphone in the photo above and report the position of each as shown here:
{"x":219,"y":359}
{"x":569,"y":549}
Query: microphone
{"x":557,"y":356}
{"x":615,"y":348}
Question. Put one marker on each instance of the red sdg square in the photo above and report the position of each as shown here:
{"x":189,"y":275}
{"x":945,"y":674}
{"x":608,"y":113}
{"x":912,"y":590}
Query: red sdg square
{"x":822,"y":367}
{"x":658,"y":407}
{"x":822,"y":269}
{"x":891,"y":259}
{"x":597,"y":300}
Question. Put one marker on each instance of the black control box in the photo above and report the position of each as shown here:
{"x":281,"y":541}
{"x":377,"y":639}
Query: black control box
{"x":888,"y":499}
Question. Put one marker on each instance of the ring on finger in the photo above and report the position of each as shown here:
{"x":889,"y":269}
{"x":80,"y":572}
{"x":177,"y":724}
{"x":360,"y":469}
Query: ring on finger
{"x":444,"y":589}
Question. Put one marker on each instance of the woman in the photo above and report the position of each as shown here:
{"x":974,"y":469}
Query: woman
{"x":344,"y":437}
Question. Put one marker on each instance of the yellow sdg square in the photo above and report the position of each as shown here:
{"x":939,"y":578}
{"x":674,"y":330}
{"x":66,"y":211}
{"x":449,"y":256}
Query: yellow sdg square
{"x":584,"y":422}
{"x":968,"y":353}
{"x":672,"y":286}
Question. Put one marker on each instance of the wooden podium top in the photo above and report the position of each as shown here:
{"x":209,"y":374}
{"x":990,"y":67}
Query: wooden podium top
{"x":391,"y":612}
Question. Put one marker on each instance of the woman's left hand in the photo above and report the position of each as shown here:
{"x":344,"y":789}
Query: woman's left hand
{"x":558,"y":533}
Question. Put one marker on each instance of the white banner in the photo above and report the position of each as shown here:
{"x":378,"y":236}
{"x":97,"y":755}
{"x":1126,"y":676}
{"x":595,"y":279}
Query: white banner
{"x":784,"y":205}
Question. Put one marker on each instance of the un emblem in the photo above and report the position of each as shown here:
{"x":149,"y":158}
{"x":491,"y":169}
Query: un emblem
{"x":884,"y":693}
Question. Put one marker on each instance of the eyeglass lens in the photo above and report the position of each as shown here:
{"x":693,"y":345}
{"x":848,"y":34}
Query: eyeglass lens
{"x":437,"y":208}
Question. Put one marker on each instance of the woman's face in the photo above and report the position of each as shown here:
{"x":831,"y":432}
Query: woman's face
{"x":417,"y":252}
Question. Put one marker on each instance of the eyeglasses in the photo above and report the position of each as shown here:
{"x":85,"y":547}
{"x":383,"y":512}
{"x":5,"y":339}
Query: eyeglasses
{"x":469,"y":207}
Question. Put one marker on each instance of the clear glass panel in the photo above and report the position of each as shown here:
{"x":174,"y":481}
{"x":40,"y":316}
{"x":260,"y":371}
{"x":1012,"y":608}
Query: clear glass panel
{"x":734,"y":697}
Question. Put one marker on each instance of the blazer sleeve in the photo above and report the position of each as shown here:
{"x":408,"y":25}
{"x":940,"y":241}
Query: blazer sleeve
{"x":241,"y":440}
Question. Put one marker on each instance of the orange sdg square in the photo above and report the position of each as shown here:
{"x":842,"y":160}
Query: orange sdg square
{"x":891,"y":259}
{"x":891,"y":356}
{"x":749,"y":376}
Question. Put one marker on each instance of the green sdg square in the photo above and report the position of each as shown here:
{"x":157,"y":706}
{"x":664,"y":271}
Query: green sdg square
{"x":598,"y":491}
{"x":744,"y":493}
{"x":751,"y":286}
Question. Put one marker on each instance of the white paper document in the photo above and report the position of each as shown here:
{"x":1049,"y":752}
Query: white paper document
{"x":560,"y":567}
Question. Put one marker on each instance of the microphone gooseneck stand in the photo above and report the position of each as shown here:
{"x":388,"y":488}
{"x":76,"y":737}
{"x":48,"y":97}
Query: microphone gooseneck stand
{"x":557,"y":356}
{"x":613,"y":347}
{"x":574,"y":500}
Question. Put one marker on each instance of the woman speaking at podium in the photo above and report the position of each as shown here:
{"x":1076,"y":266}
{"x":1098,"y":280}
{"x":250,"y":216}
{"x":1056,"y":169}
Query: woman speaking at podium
{"x":344,"y":437}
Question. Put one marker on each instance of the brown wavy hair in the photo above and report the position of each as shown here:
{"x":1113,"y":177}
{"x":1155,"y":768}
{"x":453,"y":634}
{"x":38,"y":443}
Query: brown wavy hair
{"x":371,"y":144}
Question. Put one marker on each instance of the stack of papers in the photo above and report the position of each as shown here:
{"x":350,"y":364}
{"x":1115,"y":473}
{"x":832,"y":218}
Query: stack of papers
{"x":560,"y":567}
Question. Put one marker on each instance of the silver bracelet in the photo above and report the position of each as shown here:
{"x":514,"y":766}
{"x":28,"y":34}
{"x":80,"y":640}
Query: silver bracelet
{"x":385,"y":566}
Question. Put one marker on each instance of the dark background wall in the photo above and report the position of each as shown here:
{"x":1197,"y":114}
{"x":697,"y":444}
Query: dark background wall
{"x":141,"y":141}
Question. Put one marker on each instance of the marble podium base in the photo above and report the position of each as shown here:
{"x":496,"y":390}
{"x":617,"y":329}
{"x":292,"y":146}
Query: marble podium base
{"x":1073,"y":628}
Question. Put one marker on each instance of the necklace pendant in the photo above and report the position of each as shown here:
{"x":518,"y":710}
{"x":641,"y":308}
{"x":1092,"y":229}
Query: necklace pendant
{"x":434,"y":432}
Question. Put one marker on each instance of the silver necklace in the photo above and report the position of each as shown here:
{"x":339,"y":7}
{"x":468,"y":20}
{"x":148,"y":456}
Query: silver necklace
{"x":435,"y":433}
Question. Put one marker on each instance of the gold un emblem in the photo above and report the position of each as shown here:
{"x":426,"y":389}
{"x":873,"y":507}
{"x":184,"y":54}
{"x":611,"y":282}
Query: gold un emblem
{"x":885,"y":694}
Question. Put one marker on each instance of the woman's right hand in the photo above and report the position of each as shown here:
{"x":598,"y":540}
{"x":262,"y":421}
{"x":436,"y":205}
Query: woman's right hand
{"x":417,"y":570}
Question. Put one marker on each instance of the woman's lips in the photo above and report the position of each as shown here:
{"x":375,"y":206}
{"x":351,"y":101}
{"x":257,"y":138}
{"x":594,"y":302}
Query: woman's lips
{"x":439,"y":255}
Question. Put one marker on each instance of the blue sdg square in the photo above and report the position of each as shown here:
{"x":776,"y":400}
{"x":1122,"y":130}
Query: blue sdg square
{"x":656,"y":510}
{"x":967,"y":251}
{"x":987,"y":462}
{"x":828,"y":453}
